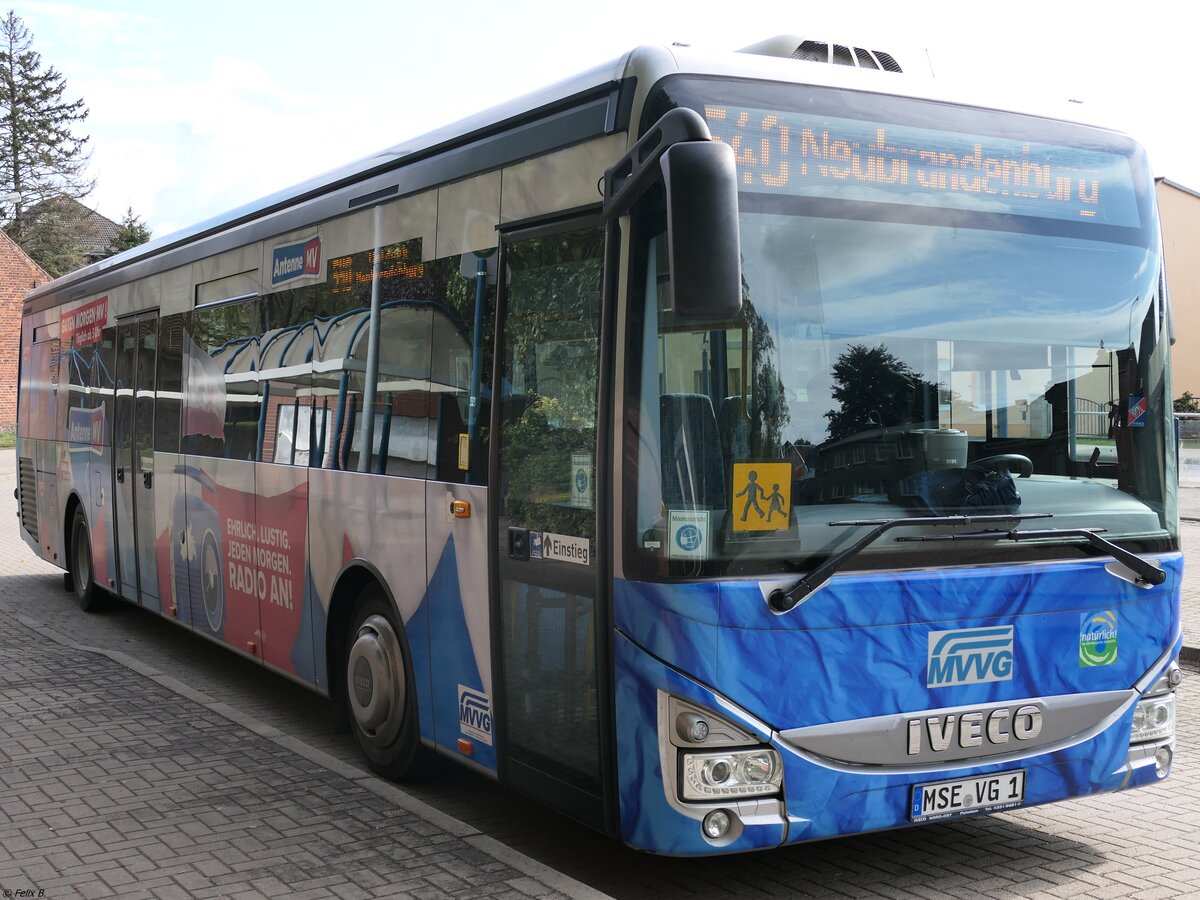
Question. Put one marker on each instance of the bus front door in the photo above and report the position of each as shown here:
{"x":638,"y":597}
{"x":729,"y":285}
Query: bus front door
{"x":545,"y":516}
{"x":133,"y":458}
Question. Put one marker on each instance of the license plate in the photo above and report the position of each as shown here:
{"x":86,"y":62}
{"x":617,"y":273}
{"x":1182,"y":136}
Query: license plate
{"x":967,"y":796}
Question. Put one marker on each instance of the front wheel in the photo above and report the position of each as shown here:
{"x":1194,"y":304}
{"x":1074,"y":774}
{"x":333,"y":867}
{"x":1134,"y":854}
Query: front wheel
{"x":379,"y":690}
{"x":79,"y":559}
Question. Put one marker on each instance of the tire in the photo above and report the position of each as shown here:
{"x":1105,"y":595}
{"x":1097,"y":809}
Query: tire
{"x":89,"y":597}
{"x":378,"y":688}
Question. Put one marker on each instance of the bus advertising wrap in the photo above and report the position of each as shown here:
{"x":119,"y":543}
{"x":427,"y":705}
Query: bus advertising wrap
{"x":84,"y":323}
{"x":239,"y":572}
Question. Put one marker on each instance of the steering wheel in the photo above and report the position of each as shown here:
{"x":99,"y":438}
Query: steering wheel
{"x":1004,"y":462}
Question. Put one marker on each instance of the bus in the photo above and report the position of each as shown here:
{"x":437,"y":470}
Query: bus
{"x":727,"y":451}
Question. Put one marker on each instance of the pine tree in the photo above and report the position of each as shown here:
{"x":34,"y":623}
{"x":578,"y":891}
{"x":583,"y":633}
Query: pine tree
{"x":52,"y":244}
{"x":40,"y":155}
{"x":133,"y":233}
{"x":876,"y":390}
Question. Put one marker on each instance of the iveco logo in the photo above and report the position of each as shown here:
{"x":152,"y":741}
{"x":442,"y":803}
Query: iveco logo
{"x":934,"y":737}
{"x":363,"y":682}
{"x":970,"y":656}
{"x":973,"y":729}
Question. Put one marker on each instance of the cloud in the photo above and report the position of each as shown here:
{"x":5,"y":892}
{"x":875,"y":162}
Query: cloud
{"x":244,"y":99}
{"x":87,"y":28}
{"x":186,"y":149}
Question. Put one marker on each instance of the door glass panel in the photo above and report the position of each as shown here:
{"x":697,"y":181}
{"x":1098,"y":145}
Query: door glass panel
{"x":143,"y":458}
{"x":547,"y":447}
{"x":126,"y":365}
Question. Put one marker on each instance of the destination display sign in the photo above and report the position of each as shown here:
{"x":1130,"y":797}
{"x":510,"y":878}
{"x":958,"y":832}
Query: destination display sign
{"x":355,"y":270}
{"x":816,"y":155}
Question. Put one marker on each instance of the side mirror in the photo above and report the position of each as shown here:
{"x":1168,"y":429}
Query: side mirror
{"x":702,"y":230}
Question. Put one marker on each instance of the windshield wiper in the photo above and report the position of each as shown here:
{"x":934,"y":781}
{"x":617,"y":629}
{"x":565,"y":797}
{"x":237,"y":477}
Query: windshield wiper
{"x":1147,"y":572}
{"x":781,"y":601}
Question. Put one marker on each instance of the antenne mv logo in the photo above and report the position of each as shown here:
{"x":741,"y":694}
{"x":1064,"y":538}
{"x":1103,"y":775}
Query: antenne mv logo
{"x":299,"y":260}
{"x":970,"y":656}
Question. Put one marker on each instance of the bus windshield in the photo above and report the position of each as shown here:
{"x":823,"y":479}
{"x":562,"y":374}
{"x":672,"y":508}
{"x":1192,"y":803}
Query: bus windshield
{"x":945,"y":312}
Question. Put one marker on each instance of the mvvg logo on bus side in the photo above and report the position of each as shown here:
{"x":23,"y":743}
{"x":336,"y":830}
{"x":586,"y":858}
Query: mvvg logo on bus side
{"x":475,"y":714}
{"x":970,"y":656}
{"x":302,"y":260}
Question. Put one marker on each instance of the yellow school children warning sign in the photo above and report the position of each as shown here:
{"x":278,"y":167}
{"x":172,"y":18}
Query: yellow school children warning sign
{"x":762,"y":496}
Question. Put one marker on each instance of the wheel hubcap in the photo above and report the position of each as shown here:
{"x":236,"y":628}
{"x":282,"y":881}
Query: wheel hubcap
{"x":375,"y":674}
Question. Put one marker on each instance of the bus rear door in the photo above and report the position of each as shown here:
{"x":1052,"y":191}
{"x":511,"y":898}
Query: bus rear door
{"x":133,"y":458}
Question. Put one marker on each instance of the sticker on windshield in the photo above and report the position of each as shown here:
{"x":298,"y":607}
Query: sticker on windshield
{"x":1137,"y":411}
{"x":687,"y":534}
{"x":581,"y":480}
{"x":762,"y":496}
{"x":566,"y":548}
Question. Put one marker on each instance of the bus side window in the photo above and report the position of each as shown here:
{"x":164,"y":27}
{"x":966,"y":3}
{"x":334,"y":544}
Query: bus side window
{"x":389,"y":438}
{"x":222,"y":415}
{"x":169,"y":383}
{"x":461,"y":367}
{"x":86,"y":373}
{"x":102,"y":378}
{"x":403,"y":402}
{"x":290,"y":430}
{"x":76,"y":372}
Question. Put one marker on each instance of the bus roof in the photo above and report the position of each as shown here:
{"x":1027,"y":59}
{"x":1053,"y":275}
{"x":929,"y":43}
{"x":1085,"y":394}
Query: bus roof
{"x":591,"y":92}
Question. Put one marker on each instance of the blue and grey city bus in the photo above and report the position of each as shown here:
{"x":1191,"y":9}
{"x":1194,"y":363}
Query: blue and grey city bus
{"x":727,"y":451}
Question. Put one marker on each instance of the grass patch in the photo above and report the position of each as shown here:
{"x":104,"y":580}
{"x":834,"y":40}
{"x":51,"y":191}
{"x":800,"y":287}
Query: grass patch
{"x":8,"y":441}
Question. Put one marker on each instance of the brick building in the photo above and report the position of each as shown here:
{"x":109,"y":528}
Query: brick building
{"x":18,"y":273}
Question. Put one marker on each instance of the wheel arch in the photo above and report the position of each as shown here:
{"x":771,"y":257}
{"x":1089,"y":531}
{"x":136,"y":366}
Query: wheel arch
{"x":74,"y":502}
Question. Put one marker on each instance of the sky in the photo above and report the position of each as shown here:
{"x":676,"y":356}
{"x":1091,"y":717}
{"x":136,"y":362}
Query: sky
{"x":197,"y":108}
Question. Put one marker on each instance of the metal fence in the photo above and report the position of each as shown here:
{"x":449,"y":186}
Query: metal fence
{"x":1187,"y":427}
{"x":1091,"y":418}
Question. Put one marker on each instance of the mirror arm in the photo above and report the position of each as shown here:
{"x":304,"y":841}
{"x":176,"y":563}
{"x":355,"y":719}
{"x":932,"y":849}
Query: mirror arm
{"x":637,"y":170}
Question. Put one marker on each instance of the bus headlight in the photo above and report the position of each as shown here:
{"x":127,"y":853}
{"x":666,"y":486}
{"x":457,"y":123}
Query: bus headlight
{"x":756,"y":772}
{"x":1153,"y":719}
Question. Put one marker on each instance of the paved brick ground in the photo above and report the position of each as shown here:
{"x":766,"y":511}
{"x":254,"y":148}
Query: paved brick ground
{"x":113,"y":785}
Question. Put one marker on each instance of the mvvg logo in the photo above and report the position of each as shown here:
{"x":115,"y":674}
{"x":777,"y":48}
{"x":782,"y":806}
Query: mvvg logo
{"x":475,"y":714}
{"x":970,"y":656}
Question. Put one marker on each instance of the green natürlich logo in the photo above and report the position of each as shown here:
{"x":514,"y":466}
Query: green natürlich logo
{"x":1098,"y":638}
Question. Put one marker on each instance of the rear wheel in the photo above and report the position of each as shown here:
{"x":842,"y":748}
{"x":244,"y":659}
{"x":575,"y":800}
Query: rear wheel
{"x":379,"y":691}
{"x":89,"y":597}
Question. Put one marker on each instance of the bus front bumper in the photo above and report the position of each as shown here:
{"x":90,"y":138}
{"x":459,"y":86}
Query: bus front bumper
{"x":818,"y":796}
